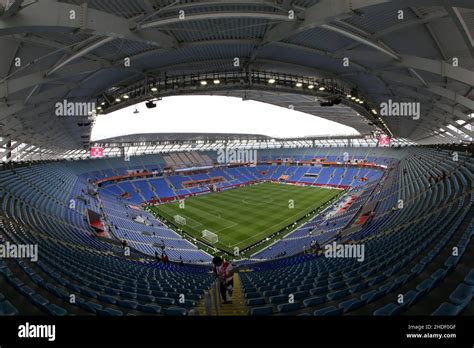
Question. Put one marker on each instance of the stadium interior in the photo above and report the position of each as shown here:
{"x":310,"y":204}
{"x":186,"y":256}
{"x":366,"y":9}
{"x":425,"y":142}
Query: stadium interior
{"x":380,"y":223}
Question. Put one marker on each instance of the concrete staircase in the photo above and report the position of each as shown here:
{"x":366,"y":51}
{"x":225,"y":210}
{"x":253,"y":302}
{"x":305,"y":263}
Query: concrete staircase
{"x":236,"y":308}
{"x":170,"y":185}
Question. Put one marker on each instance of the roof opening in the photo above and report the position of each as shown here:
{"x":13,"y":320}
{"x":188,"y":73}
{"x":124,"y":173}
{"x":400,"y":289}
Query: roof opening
{"x":215,"y":114}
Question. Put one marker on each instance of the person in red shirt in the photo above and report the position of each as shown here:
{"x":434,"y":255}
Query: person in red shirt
{"x":224,"y":272}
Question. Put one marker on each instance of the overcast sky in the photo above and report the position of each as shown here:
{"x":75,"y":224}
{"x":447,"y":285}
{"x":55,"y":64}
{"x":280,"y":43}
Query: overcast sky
{"x":214,"y":114}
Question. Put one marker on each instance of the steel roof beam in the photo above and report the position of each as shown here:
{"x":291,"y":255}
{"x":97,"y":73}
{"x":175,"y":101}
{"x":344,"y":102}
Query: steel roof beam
{"x":13,"y":8}
{"x":326,"y":11}
{"x":48,"y":15}
{"x":82,"y":52}
{"x":212,"y":16}
{"x":13,"y":85}
{"x":363,"y":40}
{"x":463,"y":28}
{"x":438,"y":67}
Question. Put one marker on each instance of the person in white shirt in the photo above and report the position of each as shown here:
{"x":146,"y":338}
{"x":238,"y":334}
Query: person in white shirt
{"x":224,"y":272}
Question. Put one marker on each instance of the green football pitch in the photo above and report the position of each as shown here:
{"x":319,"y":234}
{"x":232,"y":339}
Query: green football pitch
{"x":246,"y":215}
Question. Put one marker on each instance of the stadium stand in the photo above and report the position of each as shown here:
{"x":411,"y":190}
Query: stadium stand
{"x":401,"y":244}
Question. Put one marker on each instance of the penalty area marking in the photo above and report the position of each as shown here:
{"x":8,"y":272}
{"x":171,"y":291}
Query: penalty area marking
{"x":268,"y":228}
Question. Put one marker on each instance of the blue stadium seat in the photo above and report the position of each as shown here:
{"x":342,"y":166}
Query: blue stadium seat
{"x":278,"y":299}
{"x":451,"y":262}
{"x":7,"y":309}
{"x":410,"y":298}
{"x":288,"y":307}
{"x":252,"y":295}
{"x":371,"y":296}
{"x":351,"y":305}
{"x":462,"y":295}
{"x":425,"y":286}
{"x":107,"y":299}
{"x":127,"y":304}
{"x":175,"y":311}
{"x":447,"y":308}
{"x":89,"y":292}
{"x":150,"y":308}
{"x":336,"y":286}
{"x":319,"y":290}
{"x":388,"y":309}
{"x":89,"y":306}
{"x":328,"y":311}
{"x":164,"y":301}
{"x":256,"y":301}
{"x":469,"y":279}
{"x":270,"y":293}
{"x":56,"y":310}
{"x":266,"y":310}
{"x":358,"y":287}
{"x":376,"y":280}
{"x":146,"y":298}
{"x":300,"y":295}
{"x":109,"y":312}
{"x":39,"y":300}
{"x":305,"y":287}
{"x":314,"y":301}
{"x":27,"y":291}
{"x":187,"y":303}
{"x":439,"y":274}
{"x":17,"y":283}
{"x":337,"y":294}
{"x":288,"y":291}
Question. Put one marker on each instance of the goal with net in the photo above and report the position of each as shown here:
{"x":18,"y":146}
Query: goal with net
{"x":180,"y":220}
{"x":210,"y":236}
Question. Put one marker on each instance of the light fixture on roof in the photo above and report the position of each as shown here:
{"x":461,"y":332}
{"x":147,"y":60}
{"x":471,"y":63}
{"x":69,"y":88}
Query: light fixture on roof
{"x":322,"y":88}
{"x":374,"y":111}
{"x":117,"y":100}
{"x":103,"y":103}
{"x":299,"y":84}
{"x":216,"y":81}
{"x":126,"y":96}
{"x":353,"y":98}
{"x":150,"y":104}
{"x":361,"y":102}
{"x":203,"y":83}
{"x":357,"y":100}
{"x":99,"y":108}
{"x":154,"y":89}
{"x":311,"y":86}
{"x":349,"y":96}
{"x":271,"y":81}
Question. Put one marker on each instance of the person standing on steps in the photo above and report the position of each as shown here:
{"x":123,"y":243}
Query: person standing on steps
{"x":224,"y":272}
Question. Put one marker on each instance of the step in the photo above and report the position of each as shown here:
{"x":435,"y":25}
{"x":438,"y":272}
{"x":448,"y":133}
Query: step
{"x":236,"y":308}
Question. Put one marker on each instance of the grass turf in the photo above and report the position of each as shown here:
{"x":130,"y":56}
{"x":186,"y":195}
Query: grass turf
{"x":244,"y":216}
